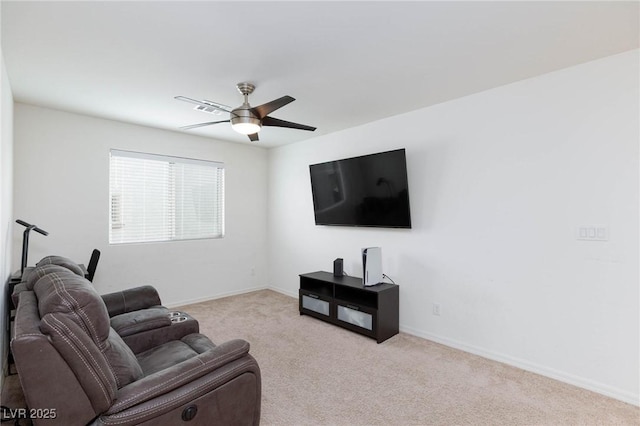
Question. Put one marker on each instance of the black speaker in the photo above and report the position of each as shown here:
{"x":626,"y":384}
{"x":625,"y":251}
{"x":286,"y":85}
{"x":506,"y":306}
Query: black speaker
{"x":337,"y":268}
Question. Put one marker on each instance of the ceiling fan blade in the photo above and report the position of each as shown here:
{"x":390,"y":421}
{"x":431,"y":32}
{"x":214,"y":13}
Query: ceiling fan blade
{"x":275,"y":122}
{"x":193,"y":126}
{"x":253,"y":137}
{"x":205,"y":103}
{"x":264,"y":109}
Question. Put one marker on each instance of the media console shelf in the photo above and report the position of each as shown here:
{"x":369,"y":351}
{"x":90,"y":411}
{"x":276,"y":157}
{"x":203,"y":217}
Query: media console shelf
{"x":344,"y":301}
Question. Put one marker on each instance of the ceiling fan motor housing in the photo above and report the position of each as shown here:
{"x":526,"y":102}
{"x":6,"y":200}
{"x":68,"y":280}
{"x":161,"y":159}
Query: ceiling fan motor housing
{"x":244,"y":115}
{"x":243,"y":119}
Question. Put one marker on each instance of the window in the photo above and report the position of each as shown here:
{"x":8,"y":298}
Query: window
{"x":160,"y":198}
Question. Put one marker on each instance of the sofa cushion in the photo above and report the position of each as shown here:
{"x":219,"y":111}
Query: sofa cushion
{"x":73,"y":299}
{"x":122,"y":361}
{"x":30,"y":278}
{"x":83,"y":357}
{"x":68,"y":293}
{"x":62,"y":261}
{"x":174,"y":352}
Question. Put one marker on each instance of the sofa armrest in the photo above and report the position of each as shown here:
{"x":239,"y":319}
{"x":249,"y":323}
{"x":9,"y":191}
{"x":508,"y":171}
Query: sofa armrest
{"x":181,"y":374}
{"x":15,"y":295}
{"x":132,"y":299}
{"x":136,"y":322}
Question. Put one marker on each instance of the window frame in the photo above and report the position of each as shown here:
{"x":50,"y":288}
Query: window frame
{"x":220,"y":196}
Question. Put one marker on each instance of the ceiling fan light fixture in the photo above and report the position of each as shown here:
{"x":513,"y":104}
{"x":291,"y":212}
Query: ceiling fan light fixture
{"x":246,"y":125}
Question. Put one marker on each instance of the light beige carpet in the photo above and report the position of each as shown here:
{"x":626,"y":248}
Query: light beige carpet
{"x":314,"y":373}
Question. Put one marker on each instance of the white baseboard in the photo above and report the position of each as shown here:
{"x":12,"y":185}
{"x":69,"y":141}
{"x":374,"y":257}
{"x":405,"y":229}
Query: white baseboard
{"x":213,"y":297}
{"x":580,"y":382}
{"x":283,"y":291}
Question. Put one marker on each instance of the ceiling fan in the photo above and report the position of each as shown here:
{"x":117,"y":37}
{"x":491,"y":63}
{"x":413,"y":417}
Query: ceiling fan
{"x":246,"y":119}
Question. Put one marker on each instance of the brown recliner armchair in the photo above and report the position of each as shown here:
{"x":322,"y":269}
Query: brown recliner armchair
{"x":74,"y":367}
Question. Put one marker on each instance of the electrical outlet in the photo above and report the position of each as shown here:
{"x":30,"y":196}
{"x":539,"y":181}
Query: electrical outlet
{"x":592,"y":233}
{"x":436,"y":309}
{"x":253,"y":271}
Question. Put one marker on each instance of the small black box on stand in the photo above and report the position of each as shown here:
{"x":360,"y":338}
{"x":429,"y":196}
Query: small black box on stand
{"x":337,"y":268}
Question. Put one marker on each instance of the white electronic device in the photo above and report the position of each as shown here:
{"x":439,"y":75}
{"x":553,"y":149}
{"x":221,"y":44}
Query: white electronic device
{"x":371,"y":266}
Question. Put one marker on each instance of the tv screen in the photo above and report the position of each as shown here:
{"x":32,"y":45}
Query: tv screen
{"x":371,"y":190}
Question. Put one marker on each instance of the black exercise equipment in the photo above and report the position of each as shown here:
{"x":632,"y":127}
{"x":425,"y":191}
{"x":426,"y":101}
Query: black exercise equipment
{"x":25,"y":241}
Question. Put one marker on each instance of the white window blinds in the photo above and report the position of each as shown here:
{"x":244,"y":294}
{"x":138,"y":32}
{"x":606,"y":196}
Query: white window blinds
{"x":162,"y":198}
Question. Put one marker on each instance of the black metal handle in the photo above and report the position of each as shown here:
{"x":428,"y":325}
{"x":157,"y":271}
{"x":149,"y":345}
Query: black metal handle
{"x":25,"y":241}
{"x":34,"y":227}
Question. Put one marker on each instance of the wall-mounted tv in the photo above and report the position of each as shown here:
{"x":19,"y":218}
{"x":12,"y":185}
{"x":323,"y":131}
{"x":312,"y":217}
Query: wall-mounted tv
{"x":370,"y":190}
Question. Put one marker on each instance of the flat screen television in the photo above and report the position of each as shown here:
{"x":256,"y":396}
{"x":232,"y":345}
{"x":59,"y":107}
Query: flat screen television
{"x":370,"y":190}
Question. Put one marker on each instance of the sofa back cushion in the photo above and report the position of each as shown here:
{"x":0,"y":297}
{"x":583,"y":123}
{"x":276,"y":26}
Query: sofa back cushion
{"x":45,"y":376}
{"x":62,"y":261}
{"x":83,"y":357}
{"x":34,"y":274}
{"x":69,"y":305}
{"x":123,"y":362}
{"x":72,"y":295}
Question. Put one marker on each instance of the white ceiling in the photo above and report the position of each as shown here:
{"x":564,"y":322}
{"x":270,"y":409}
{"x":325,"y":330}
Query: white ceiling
{"x":346,"y":63}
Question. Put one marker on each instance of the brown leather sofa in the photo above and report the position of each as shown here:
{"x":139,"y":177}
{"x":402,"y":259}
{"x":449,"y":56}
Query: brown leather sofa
{"x":75,"y":369}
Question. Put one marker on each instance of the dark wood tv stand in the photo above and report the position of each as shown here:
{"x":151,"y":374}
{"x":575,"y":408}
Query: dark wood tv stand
{"x":346,"y":302}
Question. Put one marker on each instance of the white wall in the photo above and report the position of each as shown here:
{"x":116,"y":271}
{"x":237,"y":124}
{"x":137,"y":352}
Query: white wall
{"x":499,"y":181}
{"x":6,"y":197}
{"x":61,"y":184}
